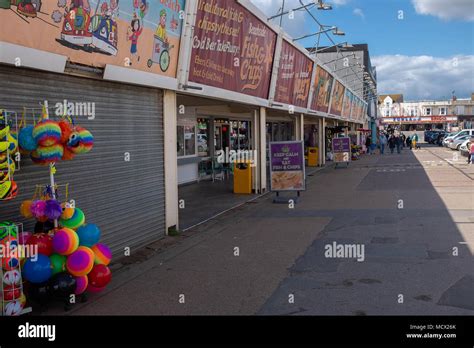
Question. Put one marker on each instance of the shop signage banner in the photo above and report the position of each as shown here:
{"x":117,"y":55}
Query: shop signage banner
{"x":294,"y":77}
{"x":287,"y":166}
{"x":322,"y":90}
{"x":346,"y":110}
{"x":138,"y":34}
{"x":341,"y":148}
{"x":231,"y":49}
{"x":337,"y":99}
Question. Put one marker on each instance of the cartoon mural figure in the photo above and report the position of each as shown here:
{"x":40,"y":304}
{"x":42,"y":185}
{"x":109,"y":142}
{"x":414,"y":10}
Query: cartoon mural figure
{"x":81,"y":30}
{"x":134,"y":31}
{"x":113,"y":9}
{"x":27,"y":8}
{"x":161,"y":46}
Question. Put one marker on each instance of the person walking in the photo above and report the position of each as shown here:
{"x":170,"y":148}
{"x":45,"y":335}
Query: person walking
{"x":391,"y":143}
{"x":398,"y":143}
{"x":409,"y":142}
{"x":404,"y":139}
{"x":414,"y":141}
{"x":368,"y":144}
{"x":470,"y":158}
{"x":383,"y":141}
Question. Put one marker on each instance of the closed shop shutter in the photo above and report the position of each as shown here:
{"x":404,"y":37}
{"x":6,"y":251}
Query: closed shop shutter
{"x":125,"y":199}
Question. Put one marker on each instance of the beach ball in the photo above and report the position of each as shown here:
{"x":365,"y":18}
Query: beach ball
{"x":65,"y":241}
{"x":42,"y":242}
{"x":9,"y":244}
{"x":7,"y":228}
{"x":89,"y":234}
{"x":67,"y":211}
{"x":25,"y":209}
{"x":11,"y":292}
{"x":58,"y":262}
{"x":49,"y":154}
{"x":99,"y":276}
{"x":37,"y":269}
{"x":102,"y":254}
{"x":81,"y":284}
{"x":47,"y":133}
{"x":26,"y":140}
{"x":23,"y":237}
{"x":9,"y":263}
{"x":12,"y":277}
{"x":13,"y":308}
{"x":80,"y":262}
{"x":76,"y":221}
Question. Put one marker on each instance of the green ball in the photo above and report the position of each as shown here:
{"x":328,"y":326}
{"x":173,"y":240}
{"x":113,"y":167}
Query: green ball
{"x":8,"y":228}
{"x":77,"y":220}
{"x":58,"y":263}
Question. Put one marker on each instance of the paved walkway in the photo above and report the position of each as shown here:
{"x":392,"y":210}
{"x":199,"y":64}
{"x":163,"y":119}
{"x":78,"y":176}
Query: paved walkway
{"x":280,"y":253}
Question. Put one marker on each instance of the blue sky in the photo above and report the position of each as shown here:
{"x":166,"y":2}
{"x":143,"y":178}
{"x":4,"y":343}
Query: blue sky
{"x":425,"y":55}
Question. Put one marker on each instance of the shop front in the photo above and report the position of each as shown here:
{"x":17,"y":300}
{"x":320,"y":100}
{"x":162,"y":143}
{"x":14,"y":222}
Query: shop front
{"x":119,"y":184}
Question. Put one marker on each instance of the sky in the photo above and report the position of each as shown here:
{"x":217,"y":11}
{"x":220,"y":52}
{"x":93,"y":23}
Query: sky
{"x":423,"y":49}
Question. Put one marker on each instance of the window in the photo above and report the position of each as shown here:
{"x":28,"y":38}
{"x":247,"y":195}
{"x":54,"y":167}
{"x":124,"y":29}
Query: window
{"x":428,"y":111}
{"x":186,"y":140}
{"x":412,"y":112}
{"x":387,"y":113}
{"x":442,"y":111}
{"x":203,"y":137}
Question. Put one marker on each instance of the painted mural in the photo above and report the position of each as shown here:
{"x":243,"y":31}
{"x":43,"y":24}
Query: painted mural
{"x":139,"y":34}
{"x":346,"y":109}
{"x":337,"y":99}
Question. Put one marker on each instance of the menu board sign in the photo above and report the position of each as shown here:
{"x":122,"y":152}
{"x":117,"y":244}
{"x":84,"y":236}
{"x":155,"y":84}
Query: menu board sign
{"x":287,"y":166}
{"x":322,"y":90}
{"x":341,"y":148}
{"x":294,"y":77}
{"x":231,"y":49}
{"x":337,"y":99}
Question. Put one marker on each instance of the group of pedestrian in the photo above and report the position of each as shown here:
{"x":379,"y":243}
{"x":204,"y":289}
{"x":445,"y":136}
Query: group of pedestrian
{"x":394,"y":140}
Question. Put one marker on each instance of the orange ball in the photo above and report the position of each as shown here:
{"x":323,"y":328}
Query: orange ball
{"x":25,"y":209}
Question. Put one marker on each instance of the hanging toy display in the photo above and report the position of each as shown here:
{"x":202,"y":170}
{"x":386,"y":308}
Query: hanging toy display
{"x":8,"y":149}
{"x":70,"y":258}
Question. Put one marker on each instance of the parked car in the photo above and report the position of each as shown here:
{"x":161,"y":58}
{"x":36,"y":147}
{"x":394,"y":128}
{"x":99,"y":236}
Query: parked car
{"x":450,"y":138}
{"x":464,"y":148}
{"x":457,"y":141}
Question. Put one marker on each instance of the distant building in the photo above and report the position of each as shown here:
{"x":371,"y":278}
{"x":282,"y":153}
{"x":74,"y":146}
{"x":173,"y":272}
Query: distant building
{"x":426,"y":114}
{"x":343,"y":63}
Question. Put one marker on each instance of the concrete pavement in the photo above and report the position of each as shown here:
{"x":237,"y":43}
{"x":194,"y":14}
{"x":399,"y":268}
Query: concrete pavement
{"x":407,"y":213}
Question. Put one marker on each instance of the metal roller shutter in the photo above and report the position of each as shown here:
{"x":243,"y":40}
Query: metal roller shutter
{"x":125,"y":199}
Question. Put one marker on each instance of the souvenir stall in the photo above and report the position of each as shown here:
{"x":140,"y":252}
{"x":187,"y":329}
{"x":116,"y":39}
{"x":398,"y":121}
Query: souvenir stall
{"x":62,"y":257}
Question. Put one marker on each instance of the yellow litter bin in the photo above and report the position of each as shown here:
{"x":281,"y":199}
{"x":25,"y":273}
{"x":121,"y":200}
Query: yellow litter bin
{"x":243,"y":178}
{"x":313,"y":156}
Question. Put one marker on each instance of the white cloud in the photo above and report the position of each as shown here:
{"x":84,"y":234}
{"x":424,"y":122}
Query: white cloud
{"x":295,"y":26}
{"x":337,"y":2}
{"x":447,"y":10}
{"x":424,"y":77}
{"x":359,"y":12}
